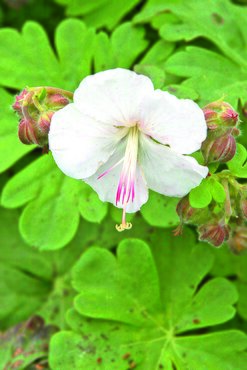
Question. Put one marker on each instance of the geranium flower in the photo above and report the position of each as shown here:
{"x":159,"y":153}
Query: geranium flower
{"x":122,"y":137}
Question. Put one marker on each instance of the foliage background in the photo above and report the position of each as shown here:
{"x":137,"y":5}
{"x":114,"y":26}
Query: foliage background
{"x":74,"y":293}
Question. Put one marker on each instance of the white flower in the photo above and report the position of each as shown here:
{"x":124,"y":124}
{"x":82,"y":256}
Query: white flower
{"x":122,"y":137}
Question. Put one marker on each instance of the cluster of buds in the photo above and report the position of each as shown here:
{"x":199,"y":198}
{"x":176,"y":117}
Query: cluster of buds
{"x":35,"y":108}
{"x":220,"y":144}
{"x":217,"y":224}
{"x":210,"y":228}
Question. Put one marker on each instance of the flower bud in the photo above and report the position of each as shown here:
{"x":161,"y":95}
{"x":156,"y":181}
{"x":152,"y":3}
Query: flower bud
{"x":26,"y":133}
{"x":238,"y":240}
{"x":220,"y":114}
{"x":57,"y":100}
{"x":220,"y":149}
{"x":214,"y":233}
{"x":36,"y":106}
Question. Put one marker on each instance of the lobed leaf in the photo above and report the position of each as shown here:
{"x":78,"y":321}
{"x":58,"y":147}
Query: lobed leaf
{"x":119,"y":321}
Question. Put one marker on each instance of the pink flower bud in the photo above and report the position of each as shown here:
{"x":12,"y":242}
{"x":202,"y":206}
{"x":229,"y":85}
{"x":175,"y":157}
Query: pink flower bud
{"x":222,"y":149}
{"x":214,"y":233}
{"x":26,"y":132}
{"x":220,"y":114}
{"x":36,"y":107}
{"x":238,"y":240}
{"x":57,"y":100}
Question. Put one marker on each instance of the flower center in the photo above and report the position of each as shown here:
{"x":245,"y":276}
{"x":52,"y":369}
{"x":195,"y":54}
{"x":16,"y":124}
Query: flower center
{"x":126,"y":185}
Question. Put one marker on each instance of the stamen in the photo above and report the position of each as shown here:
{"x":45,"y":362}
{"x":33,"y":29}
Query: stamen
{"x":126,"y":185}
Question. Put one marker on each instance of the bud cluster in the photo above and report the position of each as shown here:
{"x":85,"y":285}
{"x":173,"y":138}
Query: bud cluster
{"x":35,"y":108}
{"x":219,"y":223}
{"x":220,"y":144}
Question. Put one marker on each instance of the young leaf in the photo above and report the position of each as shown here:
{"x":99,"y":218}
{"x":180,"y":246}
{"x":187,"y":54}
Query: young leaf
{"x":120,"y":322}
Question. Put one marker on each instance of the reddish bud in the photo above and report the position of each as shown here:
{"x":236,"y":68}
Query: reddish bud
{"x":230,"y":117}
{"x":238,"y":240}
{"x":220,"y":114}
{"x":26,"y":132}
{"x":221,"y":149}
{"x":58,"y":100}
{"x":36,"y":107}
{"x":214,"y":233}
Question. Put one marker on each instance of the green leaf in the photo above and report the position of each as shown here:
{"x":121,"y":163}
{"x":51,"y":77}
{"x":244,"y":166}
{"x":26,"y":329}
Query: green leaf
{"x":121,"y":321}
{"x":216,"y":22}
{"x":122,"y":48}
{"x":217,"y":190}
{"x":160,"y":210}
{"x":41,"y":284}
{"x":205,"y":72}
{"x":219,"y":22}
{"x":51,"y":217}
{"x":182,"y":91}
{"x":92,"y":208}
{"x":237,"y":165}
{"x":28,"y":59}
{"x":201,"y":196}
{"x":58,"y":302}
{"x":99,"y":13}
{"x":158,"y":53}
{"x":234,"y":266}
{"x":209,"y":189}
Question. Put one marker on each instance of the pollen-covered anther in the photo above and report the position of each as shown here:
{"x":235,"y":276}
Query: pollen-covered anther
{"x":124,"y":226}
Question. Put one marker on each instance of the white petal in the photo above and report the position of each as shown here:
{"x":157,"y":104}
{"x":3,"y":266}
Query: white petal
{"x":78,"y":144}
{"x":168,"y":172}
{"x":113,"y":96}
{"x":177,"y":122}
{"x":106,"y":186}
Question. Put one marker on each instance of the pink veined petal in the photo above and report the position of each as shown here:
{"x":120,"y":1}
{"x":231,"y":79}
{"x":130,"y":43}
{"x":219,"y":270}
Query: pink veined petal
{"x":168,"y":172}
{"x":107,"y":185}
{"x":113,"y":97}
{"x":80,"y":145}
{"x":180,"y":123}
